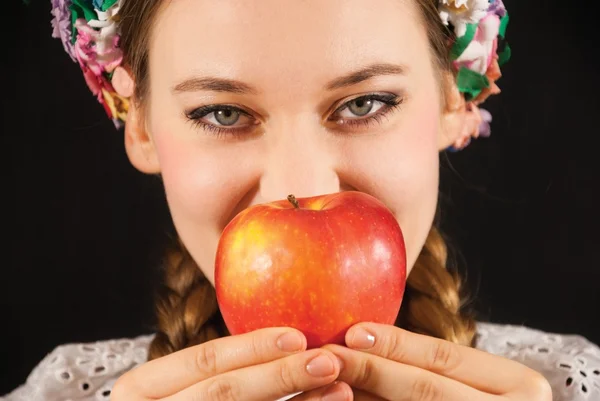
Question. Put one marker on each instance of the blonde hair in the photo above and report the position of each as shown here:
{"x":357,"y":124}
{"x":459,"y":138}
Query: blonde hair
{"x":186,"y":306}
{"x":434,"y":302}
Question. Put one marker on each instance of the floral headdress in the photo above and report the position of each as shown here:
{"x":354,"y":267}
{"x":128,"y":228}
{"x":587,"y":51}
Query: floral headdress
{"x":89,"y":30}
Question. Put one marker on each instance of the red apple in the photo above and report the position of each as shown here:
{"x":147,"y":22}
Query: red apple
{"x":317,"y":264}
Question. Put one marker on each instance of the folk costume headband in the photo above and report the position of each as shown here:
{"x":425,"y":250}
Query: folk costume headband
{"x":89,"y":31}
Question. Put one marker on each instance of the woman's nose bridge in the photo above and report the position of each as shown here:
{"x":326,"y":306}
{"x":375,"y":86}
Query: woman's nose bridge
{"x":300,"y":164}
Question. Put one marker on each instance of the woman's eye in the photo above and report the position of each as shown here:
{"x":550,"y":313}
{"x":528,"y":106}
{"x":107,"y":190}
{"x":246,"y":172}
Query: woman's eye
{"x":365,"y":108}
{"x":226,"y":117}
{"x":361,"y":107}
{"x":221,"y":119}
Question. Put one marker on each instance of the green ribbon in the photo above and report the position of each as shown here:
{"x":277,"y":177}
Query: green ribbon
{"x":504,"y":55}
{"x":503,"y":24}
{"x":471,"y":83}
{"x":83,"y":8}
{"x":108,"y":4}
{"x":462,"y":43}
{"x":80,"y":9}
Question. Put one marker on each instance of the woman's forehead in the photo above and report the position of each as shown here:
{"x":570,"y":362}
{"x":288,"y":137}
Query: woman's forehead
{"x":283,"y":39}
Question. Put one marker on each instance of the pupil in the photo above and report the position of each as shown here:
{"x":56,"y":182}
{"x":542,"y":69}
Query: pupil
{"x":361,"y":107}
{"x":227,"y":117}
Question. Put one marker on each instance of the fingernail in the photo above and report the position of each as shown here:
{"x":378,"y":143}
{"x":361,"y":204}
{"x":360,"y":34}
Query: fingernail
{"x":341,"y":363}
{"x":361,"y":339}
{"x":334,"y":393}
{"x":321,"y":366}
{"x":290,"y":342}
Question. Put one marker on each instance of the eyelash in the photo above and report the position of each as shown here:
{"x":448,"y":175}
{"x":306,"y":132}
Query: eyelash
{"x":390,"y":102}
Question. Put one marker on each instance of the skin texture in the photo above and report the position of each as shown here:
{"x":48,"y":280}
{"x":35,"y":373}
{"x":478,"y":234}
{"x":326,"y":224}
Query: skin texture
{"x":289,"y":52}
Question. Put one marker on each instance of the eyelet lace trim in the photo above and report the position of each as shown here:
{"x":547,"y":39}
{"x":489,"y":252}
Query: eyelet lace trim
{"x":570,"y":363}
{"x":82,"y":372}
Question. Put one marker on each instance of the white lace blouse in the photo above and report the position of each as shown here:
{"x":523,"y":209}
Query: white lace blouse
{"x":87,"y":372}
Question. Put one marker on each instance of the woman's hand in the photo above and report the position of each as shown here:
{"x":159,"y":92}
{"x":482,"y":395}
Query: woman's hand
{"x":384,"y":362}
{"x":264,"y":365}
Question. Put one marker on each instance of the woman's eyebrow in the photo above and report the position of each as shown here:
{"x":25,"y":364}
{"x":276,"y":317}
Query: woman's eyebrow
{"x":366,"y":73}
{"x":216,"y":84}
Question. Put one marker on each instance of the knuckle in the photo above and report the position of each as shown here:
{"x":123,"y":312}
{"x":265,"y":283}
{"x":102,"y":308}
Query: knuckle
{"x":206,"y":359}
{"x":426,"y":388}
{"x":393,"y":347}
{"x":221,"y":390}
{"x":444,"y":356}
{"x":365,"y":374}
{"x":257,"y":345}
{"x":286,"y":379}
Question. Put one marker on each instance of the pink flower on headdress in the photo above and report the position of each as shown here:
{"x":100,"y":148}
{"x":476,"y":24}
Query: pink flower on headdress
{"x":96,"y":83}
{"x":61,"y":24}
{"x":97,"y":49}
{"x":116,"y":107}
{"x":98,"y":53}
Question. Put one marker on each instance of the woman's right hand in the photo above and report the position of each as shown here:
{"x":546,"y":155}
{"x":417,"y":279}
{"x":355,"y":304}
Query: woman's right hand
{"x":264,"y":365}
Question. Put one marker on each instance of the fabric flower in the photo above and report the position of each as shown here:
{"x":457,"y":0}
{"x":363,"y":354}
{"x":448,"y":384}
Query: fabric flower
{"x":493,"y":74}
{"x":61,"y":24}
{"x":98,"y":49}
{"x":97,"y":83}
{"x":497,"y":7}
{"x":480,"y":52}
{"x":119,"y":106}
{"x":462,"y":12}
{"x":483,"y":118}
{"x":484,"y":128}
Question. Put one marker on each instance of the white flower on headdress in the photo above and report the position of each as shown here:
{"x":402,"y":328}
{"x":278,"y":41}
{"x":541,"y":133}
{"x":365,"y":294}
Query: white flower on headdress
{"x":97,"y":41}
{"x":462,"y":12}
{"x":106,"y":42}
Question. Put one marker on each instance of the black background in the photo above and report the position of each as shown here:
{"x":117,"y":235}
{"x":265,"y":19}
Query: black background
{"x":82,"y":228}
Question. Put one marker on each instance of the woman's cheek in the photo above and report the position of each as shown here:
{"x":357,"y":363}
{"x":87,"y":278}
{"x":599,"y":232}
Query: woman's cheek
{"x":190,"y":176}
{"x":204,"y":181}
{"x":412,"y":190}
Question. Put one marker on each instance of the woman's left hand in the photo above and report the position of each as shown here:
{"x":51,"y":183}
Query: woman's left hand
{"x":384,"y":362}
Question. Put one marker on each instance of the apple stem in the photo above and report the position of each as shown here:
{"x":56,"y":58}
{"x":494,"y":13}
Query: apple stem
{"x":292,"y":199}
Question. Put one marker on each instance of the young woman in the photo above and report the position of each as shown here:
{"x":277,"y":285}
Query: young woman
{"x":236,"y":103}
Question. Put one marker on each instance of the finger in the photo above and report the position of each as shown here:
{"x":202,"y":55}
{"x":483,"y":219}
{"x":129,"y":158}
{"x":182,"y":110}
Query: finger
{"x":492,"y":373}
{"x":391,"y":380}
{"x":361,"y":395}
{"x":269,"y":381}
{"x":337,"y":391}
{"x":170,"y":374}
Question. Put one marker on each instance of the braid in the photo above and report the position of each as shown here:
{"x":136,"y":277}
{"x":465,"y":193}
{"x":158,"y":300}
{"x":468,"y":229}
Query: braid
{"x":186,"y":308}
{"x":432,"y":303}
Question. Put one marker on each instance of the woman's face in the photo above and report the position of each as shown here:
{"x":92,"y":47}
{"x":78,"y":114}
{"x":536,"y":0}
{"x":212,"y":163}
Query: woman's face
{"x":253,"y":100}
